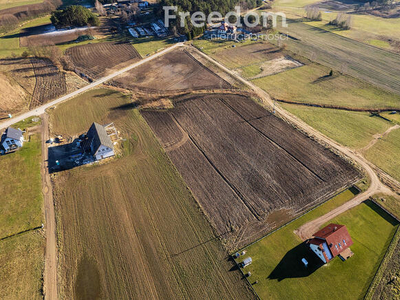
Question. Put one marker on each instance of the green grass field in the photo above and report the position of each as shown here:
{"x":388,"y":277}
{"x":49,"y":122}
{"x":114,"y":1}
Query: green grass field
{"x":22,"y":264}
{"x":311,"y":84}
{"x":9,"y":43}
{"x":4,"y":4}
{"x":352,"y":129}
{"x":373,"y":65}
{"x":148,"y":46}
{"x":129,"y":228}
{"x":20,"y":182}
{"x":279,"y":256}
{"x":393,"y":117}
{"x":391,"y":203}
{"x":385,"y":154}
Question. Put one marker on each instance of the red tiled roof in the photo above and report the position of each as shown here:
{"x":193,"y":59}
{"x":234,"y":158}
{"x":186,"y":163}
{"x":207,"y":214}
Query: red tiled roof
{"x":336,"y":236}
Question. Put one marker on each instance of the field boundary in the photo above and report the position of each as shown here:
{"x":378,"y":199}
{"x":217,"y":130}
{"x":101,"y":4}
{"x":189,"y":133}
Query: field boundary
{"x":298,"y":217}
{"x":384,"y":109}
{"x":385,"y":260}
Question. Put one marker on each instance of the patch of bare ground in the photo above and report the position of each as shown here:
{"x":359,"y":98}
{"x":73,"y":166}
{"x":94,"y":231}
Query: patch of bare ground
{"x":244,"y":165}
{"x":276,"y":66}
{"x":177,"y":70}
{"x":95,"y":60}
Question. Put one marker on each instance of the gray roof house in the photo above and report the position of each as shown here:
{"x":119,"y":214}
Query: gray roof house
{"x":99,"y":142}
{"x":12,"y":139}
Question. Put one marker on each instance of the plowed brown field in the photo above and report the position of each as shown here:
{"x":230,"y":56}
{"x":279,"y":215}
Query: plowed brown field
{"x":249,"y":170}
{"x":94,"y":59}
{"x":176,"y":70}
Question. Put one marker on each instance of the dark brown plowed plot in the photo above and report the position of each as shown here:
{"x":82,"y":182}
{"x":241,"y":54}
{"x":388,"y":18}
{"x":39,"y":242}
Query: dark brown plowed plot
{"x":176,"y":70}
{"x":249,"y":170}
{"x":50,"y":82}
{"x":94,"y":59}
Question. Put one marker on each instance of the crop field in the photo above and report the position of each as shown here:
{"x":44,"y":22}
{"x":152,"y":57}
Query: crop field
{"x":130,"y":229}
{"x":277,"y":258}
{"x":94,"y":59}
{"x":176,"y":70}
{"x":375,"y":66}
{"x":50,"y":82}
{"x":59,"y":38}
{"x":312,"y":84}
{"x":349,"y":128}
{"x":385,"y":154}
{"x":249,"y":170}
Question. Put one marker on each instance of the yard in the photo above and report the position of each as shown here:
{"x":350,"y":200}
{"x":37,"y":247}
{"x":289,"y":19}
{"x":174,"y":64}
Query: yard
{"x":277,"y":258}
{"x":130,"y":228}
{"x":20,"y":183}
{"x":21,"y":206}
{"x":352,"y":129}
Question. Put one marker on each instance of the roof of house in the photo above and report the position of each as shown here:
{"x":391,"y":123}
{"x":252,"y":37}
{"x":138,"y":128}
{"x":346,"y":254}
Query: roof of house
{"x":336,"y":236}
{"x":98,"y":134}
{"x":13,"y":133}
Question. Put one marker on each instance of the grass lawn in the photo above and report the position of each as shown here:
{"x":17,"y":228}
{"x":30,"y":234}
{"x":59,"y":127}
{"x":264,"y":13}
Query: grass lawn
{"x":391,"y":203}
{"x":14,"y":3}
{"x":352,"y":129}
{"x":386,"y":152}
{"x":307,"y":84}
{"x":148,"y":46}
{"x":130,"y":228}
{"x":20,"y":182}
{"x":22,"y":264}
{"x":279,"y":256}
{"x":9,"y":43}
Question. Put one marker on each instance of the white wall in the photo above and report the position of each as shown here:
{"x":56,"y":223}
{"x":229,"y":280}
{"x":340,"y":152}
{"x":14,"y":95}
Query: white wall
{"x":317,"y":251}
{"x":104,"y":152}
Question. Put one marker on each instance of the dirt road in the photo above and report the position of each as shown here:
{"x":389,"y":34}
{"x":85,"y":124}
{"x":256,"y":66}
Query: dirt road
{"x":376,"y":186}
{"x":50,"y":265}
{"x":41,"y":109}
{"x":378,"y":136}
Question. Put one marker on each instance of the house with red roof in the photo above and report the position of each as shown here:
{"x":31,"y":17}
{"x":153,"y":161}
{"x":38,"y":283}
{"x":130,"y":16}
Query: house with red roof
{"x":331,"y":241}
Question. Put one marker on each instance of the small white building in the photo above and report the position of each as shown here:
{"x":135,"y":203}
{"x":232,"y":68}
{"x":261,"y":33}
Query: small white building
{"x":12,"y":139}
{"x":98,"y":142}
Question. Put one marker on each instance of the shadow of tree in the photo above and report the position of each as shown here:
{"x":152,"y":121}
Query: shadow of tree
{"x":291,"y":265}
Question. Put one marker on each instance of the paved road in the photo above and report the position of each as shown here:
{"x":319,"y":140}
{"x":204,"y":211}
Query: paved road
{"x":376,"y":186}
{"x":41,"y":109}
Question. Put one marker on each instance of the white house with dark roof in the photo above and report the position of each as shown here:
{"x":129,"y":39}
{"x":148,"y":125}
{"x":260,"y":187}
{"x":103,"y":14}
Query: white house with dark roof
{"x":98,"y":142}
{"x":12,"y":139}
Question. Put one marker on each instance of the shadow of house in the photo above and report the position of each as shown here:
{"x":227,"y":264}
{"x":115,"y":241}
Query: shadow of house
{"x":63,"y":157}
{"x":291,"y":265}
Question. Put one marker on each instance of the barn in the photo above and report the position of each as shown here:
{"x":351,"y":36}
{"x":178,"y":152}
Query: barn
{"x":331,"y":241}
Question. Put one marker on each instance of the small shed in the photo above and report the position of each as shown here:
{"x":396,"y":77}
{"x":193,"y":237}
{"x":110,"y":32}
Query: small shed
{"x":247,"y":261}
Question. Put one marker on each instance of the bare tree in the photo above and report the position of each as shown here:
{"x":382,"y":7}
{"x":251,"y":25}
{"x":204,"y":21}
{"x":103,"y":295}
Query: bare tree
{"x":100,"y":8}
{"x":8,"y":22}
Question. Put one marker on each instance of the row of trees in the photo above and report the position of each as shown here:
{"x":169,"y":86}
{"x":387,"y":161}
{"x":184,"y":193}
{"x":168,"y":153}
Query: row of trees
{"x":74,"y":16}
{"x":221,"y":6}
{"x":313,"y":13}
{"x":342,"y":21}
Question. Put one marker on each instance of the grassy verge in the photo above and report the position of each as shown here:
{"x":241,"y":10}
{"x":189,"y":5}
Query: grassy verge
{"x":20,"y":183}
{"x":280,"y":274}
{"x":4,"y":4}
{"x":312,"y":84}
{"x":386,"y":152}
{"x":352,"y":129}
{"x":125,"y":217}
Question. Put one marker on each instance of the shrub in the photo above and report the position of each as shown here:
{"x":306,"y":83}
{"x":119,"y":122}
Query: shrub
{"x":74,"y":16}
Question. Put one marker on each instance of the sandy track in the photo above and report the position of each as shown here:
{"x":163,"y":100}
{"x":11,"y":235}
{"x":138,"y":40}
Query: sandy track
{"x":378,"y":136}
{"x":50,"y":266}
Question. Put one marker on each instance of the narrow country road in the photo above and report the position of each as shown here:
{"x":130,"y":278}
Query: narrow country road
{"x":50,"y":262}
{"x":41,"y":109}
{"x":306,"y":231}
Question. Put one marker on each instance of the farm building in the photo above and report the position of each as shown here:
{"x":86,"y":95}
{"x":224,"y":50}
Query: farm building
{"x":98,"y":143}
{"x":12,"y":139}
{"x":331,"y":241}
